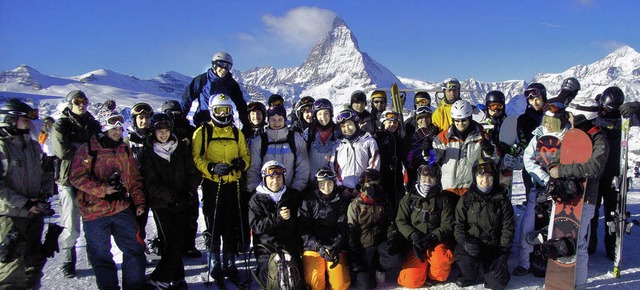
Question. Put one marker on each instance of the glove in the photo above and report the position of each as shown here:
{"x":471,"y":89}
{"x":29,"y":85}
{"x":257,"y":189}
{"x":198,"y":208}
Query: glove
{"x":472,"y":248}
{"x":219,"y":168}
{"x":505,"y":148}
{"x":50,"y":245}
{"x":628,"y":109}
{"x":419,"y":248}
{"x":238,"y":163}
{"x":426,"y":145}
{"x":431,"y":241}
{"x":487,"y":147}
{"x":325,"y":253}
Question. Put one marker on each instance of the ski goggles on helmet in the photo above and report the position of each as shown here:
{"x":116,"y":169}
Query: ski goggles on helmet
{"x":532,"y":93}
{"x":274,"y":170}
{"x":80,"y":102}
{"x":322,"y":104}
{"x":421,"y":102}
{"x":325,"y":174}
{"x":422,"y":110}
{"x":486,"y":168}
{"x":391,"y":116}
{"x":495,"y":106}
{"x":452,"y":86}
{"x":553,"y":108}
{"x":165,"y":124}
{"x":32,"y":114}
{"x":428,"y":170}
{"x":142,"y":108}
{"x":345,"y":116}
{"x":173,"y":114}
{"x":276,"y":103}
{"x":222,"y":110}
{"x":306,"y":101}
{"x":222,"y":64}
{"x":255,"y":106}
{"x":115,"y":120}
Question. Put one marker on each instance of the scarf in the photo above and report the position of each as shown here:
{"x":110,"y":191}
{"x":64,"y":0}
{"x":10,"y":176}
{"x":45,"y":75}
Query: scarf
{"x":164,"y":150}
{"x":423,"y":188}
{"x":275,"y":196}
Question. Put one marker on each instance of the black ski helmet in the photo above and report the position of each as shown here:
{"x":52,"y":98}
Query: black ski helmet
{"x":140,"y":108}
{"x":494,"y":97}
{"x":170,"y":107}
{"x":306,"y":101}
{"x":322,"y":104}
{"x":570,"y":84}
{"x":610,"y":100}
{"x":423,"y":95}
{"x":13,"y":109}
{"x":161,"y":121}
{"x":538,"y":86}
{"x":257,"y":106}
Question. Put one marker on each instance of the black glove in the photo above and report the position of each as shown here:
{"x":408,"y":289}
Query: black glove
{"x":219,"y":168}
{"x":419,"y":248}
{"x":628,"y":109}
{"x":50,"y":245}
{"x":426,"y":145}
{"x":505,"y":148}
{"x":487,"y":147}
{"x":472,"y":248}
{"x":238,"y":163}
{"x":431,"y":241}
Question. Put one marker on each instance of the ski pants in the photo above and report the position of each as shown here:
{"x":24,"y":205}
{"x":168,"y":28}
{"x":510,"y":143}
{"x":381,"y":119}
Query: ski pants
{"x":124,"y":229}
{"x":25,"y":262}
{"x":582,"y":254}
{"x":436,"y":267}
{"x":70,"y":221}
{"x":172,"y":229}
{"x":527,"y":225}
{"x":608,"y":197}
{"x":494,"y":264}
{"x":316,"y":270}
{"x":222,"y":219}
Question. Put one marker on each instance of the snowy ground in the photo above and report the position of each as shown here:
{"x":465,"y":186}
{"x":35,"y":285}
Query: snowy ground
{"x":599,"y":265}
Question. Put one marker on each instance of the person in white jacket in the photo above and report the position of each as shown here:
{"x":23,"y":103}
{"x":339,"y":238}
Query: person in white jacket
{"x":555,"y":122}
{"x":357,"y":151}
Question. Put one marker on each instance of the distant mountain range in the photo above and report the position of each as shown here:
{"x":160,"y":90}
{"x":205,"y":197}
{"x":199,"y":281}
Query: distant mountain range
{"x":335,"y":67}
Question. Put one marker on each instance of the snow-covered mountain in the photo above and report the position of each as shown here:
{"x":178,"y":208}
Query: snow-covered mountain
{"x":335,"y":67}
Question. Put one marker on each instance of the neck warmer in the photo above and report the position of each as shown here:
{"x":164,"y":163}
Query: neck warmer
{"x":164,"y":150}
{"x":275,"y":196}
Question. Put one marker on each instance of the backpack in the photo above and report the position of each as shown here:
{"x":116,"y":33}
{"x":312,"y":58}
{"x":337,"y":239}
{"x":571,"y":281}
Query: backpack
{"x":291,"y":140}
{"x":209,"y":130}
{"x":282,"y":273}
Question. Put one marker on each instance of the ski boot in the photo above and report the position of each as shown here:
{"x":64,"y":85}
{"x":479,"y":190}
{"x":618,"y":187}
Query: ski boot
{"x":215,"y":269}
{"x":230,"y":270}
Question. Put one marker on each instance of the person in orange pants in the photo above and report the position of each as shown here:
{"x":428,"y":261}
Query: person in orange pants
{"x":323,"y":226}
{"x":425,"y":217}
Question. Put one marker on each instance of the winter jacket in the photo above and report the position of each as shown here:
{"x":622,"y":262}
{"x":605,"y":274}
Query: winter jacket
{"x":22,"y":175}
{"x":611,"y":127}
{"x":250,"y":132}
{"x":267,"y":225}
{"x":537,"y":171}
{"x":486,"y":217}
{"x":323,"y":222}
{"x":593,"y":168}
{"x":527,"y":123}
{"x":207,"y":84}
{"x":296,"y":163}
{"x":92,"y":188}
{"x":170,"y":182}
{"x":183,"y":129}
{"x":220,"y":147}
{"x":431,"y":214}
{"x":351,"y":158}
{"x":369,"y":225}
{"x":491,"y":125}
{"x":457,"y":156}
{"x":69,"y":132}
{"x":322,"y":146}
{"x":414,"y":158}
{"x":441,"y":117}
{"x":366,"y":122}
{"x":136,"y":141}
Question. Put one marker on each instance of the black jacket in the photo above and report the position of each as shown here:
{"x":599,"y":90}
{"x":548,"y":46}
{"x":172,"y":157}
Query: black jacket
{"x":528,"y":122}
{"x":267,"y":225}
{"x":323,"y":222}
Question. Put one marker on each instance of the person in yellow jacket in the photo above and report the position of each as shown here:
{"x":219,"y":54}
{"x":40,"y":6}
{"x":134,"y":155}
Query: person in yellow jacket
{"x":220,"y":153}
{"x":441,"y":117}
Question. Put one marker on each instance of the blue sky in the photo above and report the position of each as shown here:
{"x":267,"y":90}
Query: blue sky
{"x":426,"y":40}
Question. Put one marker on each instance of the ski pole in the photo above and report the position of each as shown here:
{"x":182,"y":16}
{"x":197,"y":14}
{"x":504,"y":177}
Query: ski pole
{"x":213,"y":225}
{"x":246,"y":260}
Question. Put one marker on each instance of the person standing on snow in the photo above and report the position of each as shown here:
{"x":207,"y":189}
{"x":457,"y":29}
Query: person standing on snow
{"x":110,"y":197}
{"x":74,"y":128}
{"x":420,"y":99}
{"x":257,"y":115}
{"x":442,"y":115}
{"x":359,"y":106}
{"x":24,"y":190}
{"x":378,"y":105}
{"x":322,"y":137}
{"x":216,"y":80}
{"x":302,"y":114}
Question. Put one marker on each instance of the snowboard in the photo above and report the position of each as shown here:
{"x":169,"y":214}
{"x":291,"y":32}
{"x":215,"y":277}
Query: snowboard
{"x":565,"y":221}
{"x":509,"y":135}
{"x":546,"y":149}
{"x":621,"y":216}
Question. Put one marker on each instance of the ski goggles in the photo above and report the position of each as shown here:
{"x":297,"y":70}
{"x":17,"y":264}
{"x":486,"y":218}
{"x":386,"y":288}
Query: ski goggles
{"x":222,"y":64}
{"x":553,"y":107}
{"x":391,"y":116}
{"x":452,"y":86}
{"x":419,"y":102}
{"x":322,"y":104}
{"x":222,"y":110}
{"x":142,"y":108}
{"x":276,"y":103}
{"x":325,"y":174}
{"x":80,"y":102}
{"x":274,"y":170}
{"x":345,"y":116}
{"x":255,"y":106}
{"x":532,"y":93}
{"x":32,"y":114}
{"x":173,"y":114}
{"x":115,"y":121}
{"x":423,"y":110}
{"x":495,"y":106}
{"x":163,"y":125}
{"x":428,"y":170}
{"x":486,"y":168}
{"x":305,"y":101}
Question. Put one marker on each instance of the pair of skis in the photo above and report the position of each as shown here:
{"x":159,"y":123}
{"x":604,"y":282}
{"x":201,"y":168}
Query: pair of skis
{"x":397,"y":101}
{"x":621,"y":224}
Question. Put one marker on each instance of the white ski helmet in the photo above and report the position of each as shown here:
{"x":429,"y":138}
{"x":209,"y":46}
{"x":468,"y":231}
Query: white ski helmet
{"x":461,"y":109}
{"x":218,"y":104}
{"x":222,"y":56}
{"x":272,"y":167}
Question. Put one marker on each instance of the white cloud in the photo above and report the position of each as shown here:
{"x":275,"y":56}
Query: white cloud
{"x":302,"y":26}
{"x":245,"y":37}
{"x":610,"y":45}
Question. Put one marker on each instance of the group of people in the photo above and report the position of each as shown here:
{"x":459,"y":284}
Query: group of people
{"x":348,"y":196}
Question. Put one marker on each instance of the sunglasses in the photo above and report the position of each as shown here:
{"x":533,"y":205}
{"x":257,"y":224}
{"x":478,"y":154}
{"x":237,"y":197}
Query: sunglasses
{"x":426,"y":170}
{"x":345,"y":115}
{"x":223,"y":64}
{"x":486,"y":168}
{"x":422,"y":102}
{"x":142,"y":108}
{"x":222,"y":109}
{"x":274,"y":170}
{"x":322,"y":104}
{"x":461,"y":120}
{"x":378,"y":101}
{"x":80,"y":102}
{"x":325,"y":174}
{"x":115,"y":120}
{"x":495,"y":106}
{"x":532,"y":93}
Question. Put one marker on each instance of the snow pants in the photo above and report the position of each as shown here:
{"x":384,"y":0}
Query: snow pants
{"x":495,"y":266}
{"x":172,"y":229}
{"x":436,"y":267}
{"x":25,"y":262}
{"x":225,"y":213}
{"x":316,"y":271}
{"x":70,"y":221}
{"x":608,"y":198}
{"x":124,"y":229}
{"x":527,"y":226}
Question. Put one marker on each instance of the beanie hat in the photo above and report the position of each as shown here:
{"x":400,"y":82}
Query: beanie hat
{"x":378,"y":94}
{"x":277,"y":110}
{"x":358,"y":97}
{"x":75,"y":94}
